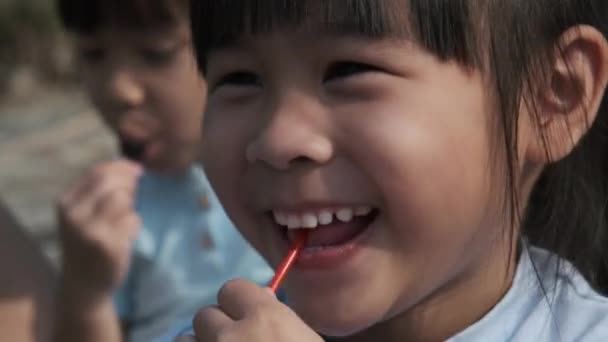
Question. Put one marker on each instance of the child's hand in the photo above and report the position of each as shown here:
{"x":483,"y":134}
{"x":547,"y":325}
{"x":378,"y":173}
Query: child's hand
{"x":247,"y":312}
{"x":98,"y":224}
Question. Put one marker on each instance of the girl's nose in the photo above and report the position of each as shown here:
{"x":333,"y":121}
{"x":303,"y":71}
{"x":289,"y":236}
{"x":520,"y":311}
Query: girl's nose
{"x":124,"y":90}
{"x":291,"y":136}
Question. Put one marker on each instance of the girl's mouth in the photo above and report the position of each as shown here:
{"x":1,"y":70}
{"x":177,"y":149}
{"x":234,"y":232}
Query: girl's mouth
{"x":334,"y":233}
{"x":147,"y":152}
{"x":132,"y":150}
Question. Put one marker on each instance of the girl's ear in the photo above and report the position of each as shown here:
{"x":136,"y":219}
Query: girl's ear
{"x":569,"y":102}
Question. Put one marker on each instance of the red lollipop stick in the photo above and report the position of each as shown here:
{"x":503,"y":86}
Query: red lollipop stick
{"x":289,"y":260}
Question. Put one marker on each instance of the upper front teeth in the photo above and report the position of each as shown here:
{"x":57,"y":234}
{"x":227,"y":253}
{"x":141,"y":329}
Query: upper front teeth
{"x":309,"y":221}
{"x":325,"y":217}
{"x":293,"y":221}
{"x":320,"y":218}
{"x":345,"y":215}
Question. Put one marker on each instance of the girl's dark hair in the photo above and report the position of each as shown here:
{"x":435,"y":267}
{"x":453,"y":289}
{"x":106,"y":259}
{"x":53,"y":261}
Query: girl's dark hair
{"x":514,"y":41}
{"x":91,"y":15}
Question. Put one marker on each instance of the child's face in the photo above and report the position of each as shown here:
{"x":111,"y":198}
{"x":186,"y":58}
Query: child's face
{"x":303,"y":123}
{"x":146,"y":86}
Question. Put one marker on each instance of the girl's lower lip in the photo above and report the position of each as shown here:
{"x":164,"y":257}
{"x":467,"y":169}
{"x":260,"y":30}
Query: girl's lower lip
{"x":152,"y":152}
{"x":333,"y":256}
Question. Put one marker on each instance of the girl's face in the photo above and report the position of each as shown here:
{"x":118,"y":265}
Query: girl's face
{"x":146,"y":87}
{"x":301,"y":126}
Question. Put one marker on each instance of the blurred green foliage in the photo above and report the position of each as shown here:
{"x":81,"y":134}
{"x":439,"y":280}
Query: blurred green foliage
{"x":33,"y":15}
{"x":29,"y":33}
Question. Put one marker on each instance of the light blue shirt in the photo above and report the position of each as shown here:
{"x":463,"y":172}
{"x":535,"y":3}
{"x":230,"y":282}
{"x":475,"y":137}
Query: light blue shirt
{"x":571,"y":311}
{"x":186,"y":250}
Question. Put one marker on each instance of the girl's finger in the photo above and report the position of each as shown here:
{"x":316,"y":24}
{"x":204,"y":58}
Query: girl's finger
{"x":209,"y":323}
{"x":117,"y":172}
{"x":87,"y":184}
{"x":239,"y":297}
{"x":131,"y":225}
{"x":92,"y":205}
{"x":114,"y":206}
{"x":125,"y":228}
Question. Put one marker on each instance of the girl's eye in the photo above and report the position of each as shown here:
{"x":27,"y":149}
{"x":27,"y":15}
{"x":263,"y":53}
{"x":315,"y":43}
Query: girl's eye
{"x":340,"y":70}
{"x":157,"y":56}
{"x":239,"y":79}
{"x":92,"y":55}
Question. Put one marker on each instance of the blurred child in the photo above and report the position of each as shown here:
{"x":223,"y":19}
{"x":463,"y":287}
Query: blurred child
{"x":452,"y":157}
{"x":137,"y":65}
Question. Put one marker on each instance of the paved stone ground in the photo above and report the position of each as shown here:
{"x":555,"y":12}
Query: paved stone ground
{"x":46,"y":143}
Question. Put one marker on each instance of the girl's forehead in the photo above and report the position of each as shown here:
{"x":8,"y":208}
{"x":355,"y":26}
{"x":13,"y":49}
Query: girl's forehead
{"x":93,"y":15}
{"x":135,"y":36}
{"x":227,"y":21}
{"x":448,"y":29}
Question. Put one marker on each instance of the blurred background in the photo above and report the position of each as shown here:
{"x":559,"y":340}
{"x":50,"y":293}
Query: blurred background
{"x":48,"y":132}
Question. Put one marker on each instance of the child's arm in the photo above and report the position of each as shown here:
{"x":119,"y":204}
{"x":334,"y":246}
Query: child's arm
{"x":80,"y":320}
{"x":26,"y":292}
{"x":98,"y":226}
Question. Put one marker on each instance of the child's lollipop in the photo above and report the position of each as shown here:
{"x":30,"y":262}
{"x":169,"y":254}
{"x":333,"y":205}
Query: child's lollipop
{"x":289,"y":260}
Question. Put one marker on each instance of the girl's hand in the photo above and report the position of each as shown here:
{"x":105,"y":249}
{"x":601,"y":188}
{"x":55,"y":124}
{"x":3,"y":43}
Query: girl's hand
{"x":247,"y":312}
{"x":98,"y":225}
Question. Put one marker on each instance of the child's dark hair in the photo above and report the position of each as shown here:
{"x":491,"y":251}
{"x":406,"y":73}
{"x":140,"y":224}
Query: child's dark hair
{"x":567,"y":209}
{"x":91,"y":15}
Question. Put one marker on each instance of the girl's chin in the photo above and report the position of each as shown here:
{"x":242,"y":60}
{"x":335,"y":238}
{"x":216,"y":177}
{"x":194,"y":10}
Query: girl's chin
{"x":336,"y":327}
{"x":338,"y":320}
{"x":341,"y":302}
